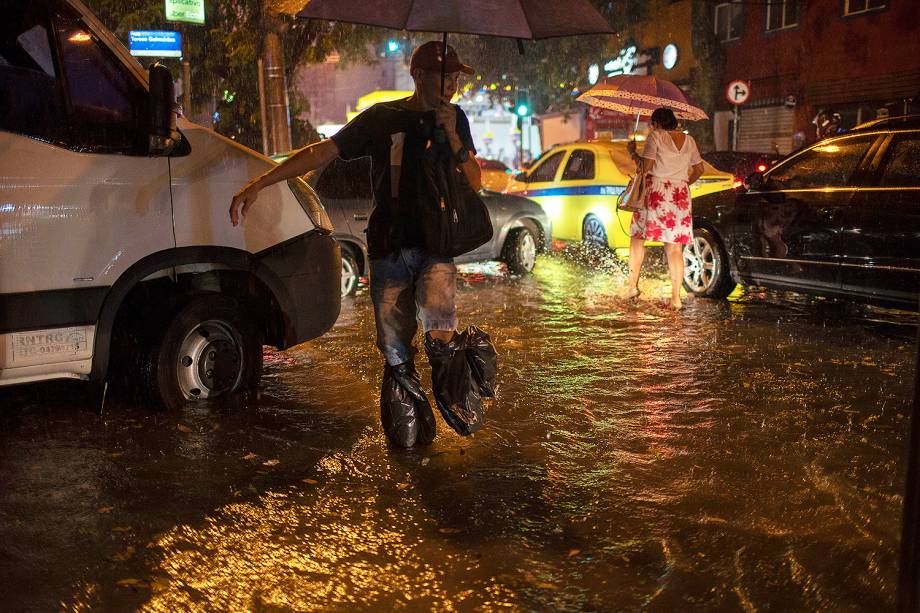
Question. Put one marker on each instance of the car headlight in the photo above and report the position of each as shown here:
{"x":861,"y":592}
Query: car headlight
{"x":311,"y":205}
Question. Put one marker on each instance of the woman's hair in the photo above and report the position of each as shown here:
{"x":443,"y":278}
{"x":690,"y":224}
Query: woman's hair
{"x":665,"y":118}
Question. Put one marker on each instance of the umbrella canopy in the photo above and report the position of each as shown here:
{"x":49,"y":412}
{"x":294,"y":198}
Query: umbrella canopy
{"x":640,"y":95}
{"x":522,"y":19}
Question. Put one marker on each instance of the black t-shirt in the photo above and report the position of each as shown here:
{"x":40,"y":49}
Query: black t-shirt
{"x":396,"y":138}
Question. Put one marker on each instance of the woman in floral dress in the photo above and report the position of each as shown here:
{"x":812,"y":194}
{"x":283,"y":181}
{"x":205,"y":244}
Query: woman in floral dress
{"x":671,"y":162}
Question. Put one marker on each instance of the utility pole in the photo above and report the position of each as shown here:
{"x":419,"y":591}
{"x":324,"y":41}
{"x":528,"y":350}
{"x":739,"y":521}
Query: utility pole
{"x":186,"y":74}
{"x":263,"y":113}
{"x":275,"y":85}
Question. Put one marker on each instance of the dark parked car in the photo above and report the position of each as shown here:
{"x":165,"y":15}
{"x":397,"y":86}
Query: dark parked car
{"x":521,"y":228}
{"x":838,"y":218}
{"x":741,"y":163}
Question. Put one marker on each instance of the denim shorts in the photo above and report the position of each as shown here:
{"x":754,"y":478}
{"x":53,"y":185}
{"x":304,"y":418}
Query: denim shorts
{"x":407,"y":286}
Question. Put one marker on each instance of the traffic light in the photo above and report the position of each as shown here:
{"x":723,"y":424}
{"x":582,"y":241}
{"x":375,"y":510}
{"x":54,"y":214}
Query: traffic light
{"x":522,"y":106}
{"x":393,"y":45}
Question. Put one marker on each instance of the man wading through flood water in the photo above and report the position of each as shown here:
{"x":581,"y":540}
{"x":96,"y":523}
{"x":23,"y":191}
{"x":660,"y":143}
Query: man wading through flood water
{"x":406,"y":280}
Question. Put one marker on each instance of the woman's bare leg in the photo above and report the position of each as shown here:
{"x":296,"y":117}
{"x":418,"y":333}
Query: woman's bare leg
{"x":636,"y":255}
{"x":675,"y":254}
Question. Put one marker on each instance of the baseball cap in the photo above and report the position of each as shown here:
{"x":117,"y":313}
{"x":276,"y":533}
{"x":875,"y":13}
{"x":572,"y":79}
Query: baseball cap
{"x":428,"y":57}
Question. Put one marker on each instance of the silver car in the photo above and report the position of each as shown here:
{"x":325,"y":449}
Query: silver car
{"x":521,"y":227}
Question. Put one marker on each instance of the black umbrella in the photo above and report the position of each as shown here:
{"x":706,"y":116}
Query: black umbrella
{"x":520,"y":19}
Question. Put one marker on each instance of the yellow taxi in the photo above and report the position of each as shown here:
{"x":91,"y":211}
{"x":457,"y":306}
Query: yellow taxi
{"x":577,"y":184}
{"x":495,"y":175}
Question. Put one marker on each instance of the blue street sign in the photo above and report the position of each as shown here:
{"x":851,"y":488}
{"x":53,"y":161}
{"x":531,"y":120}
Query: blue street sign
{"x":152,"y":43}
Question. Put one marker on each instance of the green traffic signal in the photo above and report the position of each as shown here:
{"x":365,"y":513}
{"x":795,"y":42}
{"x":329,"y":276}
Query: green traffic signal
{"x":522,"y":107}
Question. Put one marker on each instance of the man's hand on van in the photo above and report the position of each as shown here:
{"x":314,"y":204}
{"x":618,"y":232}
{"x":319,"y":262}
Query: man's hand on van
{"x":242,"y":201}
{"x":301,"y":162}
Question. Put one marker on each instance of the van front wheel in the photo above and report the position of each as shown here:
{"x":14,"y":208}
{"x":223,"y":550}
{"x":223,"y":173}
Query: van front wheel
{"x":208,"y":350}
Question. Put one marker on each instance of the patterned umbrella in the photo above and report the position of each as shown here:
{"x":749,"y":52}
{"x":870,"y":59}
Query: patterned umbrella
{"x":640,"y":95}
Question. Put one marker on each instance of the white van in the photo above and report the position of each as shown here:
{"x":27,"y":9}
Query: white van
{"x":115,"y":241}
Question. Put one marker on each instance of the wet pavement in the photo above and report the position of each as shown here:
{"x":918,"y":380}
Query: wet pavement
{"x":741,"y":455}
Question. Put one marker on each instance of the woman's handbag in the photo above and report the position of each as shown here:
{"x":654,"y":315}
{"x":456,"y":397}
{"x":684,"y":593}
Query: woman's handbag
{"x":632,"y":198}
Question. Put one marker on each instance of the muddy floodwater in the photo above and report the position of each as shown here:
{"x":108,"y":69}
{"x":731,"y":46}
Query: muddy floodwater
{"x":742,"y":455}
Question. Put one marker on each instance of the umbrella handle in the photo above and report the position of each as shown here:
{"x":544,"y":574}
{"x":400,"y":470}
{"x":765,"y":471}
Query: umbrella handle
{"x":443,"y":60}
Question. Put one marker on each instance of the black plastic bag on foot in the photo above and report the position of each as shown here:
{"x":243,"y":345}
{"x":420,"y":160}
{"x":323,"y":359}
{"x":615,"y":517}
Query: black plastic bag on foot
{"x":404,"y":409}
{"x":456,"y":393}
{"x":480,"y":352}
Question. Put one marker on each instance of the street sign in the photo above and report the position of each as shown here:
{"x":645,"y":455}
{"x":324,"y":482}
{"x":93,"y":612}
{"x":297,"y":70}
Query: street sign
{"x":189,"y":11}
{"x":154,"y":43}
{"x":737,"y":92}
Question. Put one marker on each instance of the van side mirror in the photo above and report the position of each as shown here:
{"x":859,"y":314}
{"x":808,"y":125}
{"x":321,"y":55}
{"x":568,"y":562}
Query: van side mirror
{"x":162,"y":132}
{"x":754,"y":180}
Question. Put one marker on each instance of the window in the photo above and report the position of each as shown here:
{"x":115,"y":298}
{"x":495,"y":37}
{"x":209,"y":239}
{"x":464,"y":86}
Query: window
{"x":30,"y":93}
{"x":902,"y":167}
{"x":855,"y":7}
{"x":580,"y":166}
{"x":829,"y":164}
{"x":546,"y":171}
{"x":107,"y":104}
{"x":729,"y":20}
{"x":782,"y":14}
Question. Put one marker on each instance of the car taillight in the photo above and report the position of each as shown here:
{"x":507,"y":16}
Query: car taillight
{"x":737,"y":182}
{"x":761,"y":167}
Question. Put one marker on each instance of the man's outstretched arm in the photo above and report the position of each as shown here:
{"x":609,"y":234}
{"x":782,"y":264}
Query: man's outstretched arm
{"x":307,"y":159}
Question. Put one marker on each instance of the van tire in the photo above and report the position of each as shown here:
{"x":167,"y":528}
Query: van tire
{"x":208,"y":350}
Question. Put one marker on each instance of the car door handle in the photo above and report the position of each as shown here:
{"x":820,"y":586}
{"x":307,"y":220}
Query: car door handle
{"x":360,"y":217}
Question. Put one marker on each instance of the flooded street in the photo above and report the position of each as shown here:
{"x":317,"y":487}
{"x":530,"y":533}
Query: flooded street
{"x":743,"y":455}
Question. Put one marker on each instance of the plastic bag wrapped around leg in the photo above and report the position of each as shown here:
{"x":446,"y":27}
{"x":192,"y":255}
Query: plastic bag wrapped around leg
{"x":456,"y":393}
{"x":404,"y":410}
{"x":480,"y":352}
{"x":406,"y":375}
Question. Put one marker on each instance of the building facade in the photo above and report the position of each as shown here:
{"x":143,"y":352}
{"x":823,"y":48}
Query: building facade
{"x":858,"y":58}
{"x":660,"y":45}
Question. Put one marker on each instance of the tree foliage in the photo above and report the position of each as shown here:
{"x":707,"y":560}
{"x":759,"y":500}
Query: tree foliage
{"x":224,"y":52}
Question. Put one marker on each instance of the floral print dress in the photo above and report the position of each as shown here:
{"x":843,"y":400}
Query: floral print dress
{"x":667,"y":216}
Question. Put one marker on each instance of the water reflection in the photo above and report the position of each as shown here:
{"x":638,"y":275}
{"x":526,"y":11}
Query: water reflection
{"x":738,"y":455}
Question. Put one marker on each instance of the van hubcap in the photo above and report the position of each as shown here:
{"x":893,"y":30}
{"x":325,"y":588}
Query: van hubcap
{"x":210,"y":360}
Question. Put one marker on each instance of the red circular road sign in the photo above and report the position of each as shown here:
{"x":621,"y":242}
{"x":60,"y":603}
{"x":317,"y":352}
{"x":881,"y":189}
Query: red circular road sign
{"x":738,"y":92}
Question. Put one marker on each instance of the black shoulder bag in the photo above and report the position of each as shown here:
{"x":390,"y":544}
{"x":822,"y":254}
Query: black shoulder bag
{"x":454,"y":218}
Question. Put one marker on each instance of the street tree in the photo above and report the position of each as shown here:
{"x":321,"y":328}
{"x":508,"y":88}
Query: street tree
{"x":224,"y":55}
